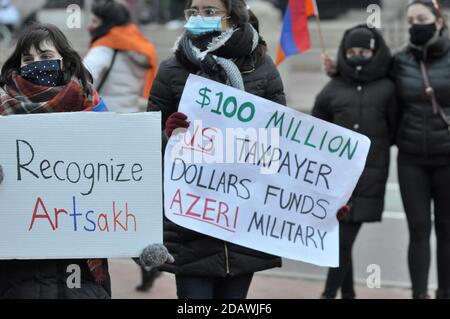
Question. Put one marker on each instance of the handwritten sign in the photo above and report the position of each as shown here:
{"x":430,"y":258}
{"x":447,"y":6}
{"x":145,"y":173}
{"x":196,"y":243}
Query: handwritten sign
{"x":260,"y":175}
{"x":80,"y":185}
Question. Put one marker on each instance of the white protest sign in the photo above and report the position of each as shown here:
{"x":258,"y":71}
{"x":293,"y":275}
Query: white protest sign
{"x":260,"y":175}
{"x":80,"y":185}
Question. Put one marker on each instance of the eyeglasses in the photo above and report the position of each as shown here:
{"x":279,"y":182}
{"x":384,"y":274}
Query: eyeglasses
{"x":207,"y":12}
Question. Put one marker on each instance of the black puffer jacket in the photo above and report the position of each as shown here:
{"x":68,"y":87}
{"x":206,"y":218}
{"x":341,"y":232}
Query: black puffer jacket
{"x":47,"y":279}
{"x":197,"y":254}
{"x":262,"y":80}
{"x":364,"y":101}
{"x":421,"y":133}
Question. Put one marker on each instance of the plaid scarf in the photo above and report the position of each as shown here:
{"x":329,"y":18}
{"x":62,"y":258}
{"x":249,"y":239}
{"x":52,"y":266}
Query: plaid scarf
{"x":97,"y":269}
{"x":20,"y":96}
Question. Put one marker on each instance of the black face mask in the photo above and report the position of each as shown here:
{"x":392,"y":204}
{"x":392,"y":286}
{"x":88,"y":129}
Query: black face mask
{"x":45,"y":73}
{"x":420,"y":34}
{"x":358,"y":60}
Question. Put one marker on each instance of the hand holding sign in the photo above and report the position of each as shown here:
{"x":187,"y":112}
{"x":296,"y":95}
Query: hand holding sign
{"x":260,"y":175}
{"x":175,"y":121}
{"x":343,"y":212}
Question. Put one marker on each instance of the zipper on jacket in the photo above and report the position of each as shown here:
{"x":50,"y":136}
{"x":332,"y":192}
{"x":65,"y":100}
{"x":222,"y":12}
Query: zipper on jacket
{"x":361,"y":93}
{"x":227,"y":262}
{"x":424,"y":133}
{"x":356,"y":126}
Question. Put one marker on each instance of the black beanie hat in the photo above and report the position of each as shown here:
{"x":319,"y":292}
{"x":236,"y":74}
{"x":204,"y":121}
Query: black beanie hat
{"x":113,"y":13}
{"x":432,"y":4}
{"x":360,"y":38}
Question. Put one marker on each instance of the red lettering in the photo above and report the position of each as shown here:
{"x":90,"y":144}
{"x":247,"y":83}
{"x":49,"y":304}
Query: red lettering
{"x":209,"y":139}
{"x":130,"y":215}
{"x":105,"y":226}
{"x":57,"y":212}
{"x":191,"y":143}
{"x":177,"y":199}
{"x":116,"y":216}
{"x":40,"y":202}
{"x":189,"y":211}
{"x":207,"y":209}
{"x":222,"y":212}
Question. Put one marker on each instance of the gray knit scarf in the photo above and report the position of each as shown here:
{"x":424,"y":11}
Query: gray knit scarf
{"x":196,"y":56}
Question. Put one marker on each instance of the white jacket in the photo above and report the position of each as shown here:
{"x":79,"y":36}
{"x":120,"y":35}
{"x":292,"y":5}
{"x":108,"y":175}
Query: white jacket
{"x":125,"y":83}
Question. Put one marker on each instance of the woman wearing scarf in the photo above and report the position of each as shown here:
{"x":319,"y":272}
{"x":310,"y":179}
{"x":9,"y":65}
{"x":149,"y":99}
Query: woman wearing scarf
{"x":219,"y":44}
{"x":121,"y":60}
{"x":45,"y":74}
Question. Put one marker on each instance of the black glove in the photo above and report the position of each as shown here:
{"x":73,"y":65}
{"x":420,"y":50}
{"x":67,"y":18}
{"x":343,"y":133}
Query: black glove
{"x":1,"y":174}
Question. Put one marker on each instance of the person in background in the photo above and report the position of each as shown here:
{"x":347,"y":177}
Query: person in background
{"x":422,"y":75}
{"x":360,"y":97}
{"x":9,"y":15}
{"x":122,"y":61}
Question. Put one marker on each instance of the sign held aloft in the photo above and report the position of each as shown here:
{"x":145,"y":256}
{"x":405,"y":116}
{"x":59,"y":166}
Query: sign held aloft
{"x":260,"y":175}
{"x":80,"y":185}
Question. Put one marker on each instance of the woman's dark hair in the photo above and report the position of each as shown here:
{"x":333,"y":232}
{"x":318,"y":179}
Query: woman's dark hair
{"x":33,"y":36}
{"x":240,"y":14}
{"x":112,"y":13}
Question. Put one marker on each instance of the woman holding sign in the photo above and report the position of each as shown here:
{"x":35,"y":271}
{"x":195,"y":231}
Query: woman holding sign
{"x":44,"y":74}
{"x":219,"y":44}
{"x":362,"y":98}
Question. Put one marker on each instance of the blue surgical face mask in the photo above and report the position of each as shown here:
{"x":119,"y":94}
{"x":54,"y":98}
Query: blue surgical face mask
{"x":45,"y":73}
{"x":198,"y":25}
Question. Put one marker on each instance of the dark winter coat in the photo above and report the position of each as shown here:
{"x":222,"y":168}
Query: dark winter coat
{"x":197,"y":254}
{"x":364,"y":101}
{"x":47,"y":279}
{"x":421,"y":133}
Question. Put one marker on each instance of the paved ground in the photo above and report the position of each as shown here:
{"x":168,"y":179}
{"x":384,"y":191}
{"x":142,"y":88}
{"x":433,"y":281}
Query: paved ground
{"x":125,"y":276}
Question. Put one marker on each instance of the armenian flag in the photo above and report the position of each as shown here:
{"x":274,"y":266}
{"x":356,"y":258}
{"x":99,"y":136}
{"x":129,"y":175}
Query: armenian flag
{"x":295,"y":37}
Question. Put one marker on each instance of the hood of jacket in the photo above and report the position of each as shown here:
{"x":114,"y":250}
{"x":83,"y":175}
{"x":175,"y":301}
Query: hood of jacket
{"x":377,"y":68}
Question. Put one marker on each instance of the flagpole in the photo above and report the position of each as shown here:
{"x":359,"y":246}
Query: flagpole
{"x":322,"y":41}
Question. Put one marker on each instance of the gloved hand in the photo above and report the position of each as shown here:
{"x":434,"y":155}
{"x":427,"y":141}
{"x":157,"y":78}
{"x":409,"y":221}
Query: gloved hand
{"x":1,"y":174}
{"x":155,"y":255}
{"x":175,"y":121}
{"x":343,"y":212}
